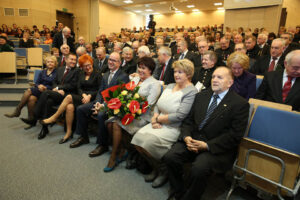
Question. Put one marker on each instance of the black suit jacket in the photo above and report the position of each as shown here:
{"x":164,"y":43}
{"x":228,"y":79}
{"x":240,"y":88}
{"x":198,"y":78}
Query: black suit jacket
{"x":104,"y":67}
{"x":168,"y":74}
{"x":118,"y":78}
{"x":271,"y":90}
{"x":265,"y":51}
{"x":59,"y":59}
{"x":189,"y":55}
{"x":129,"y":67}
{"x":58,"y":41}
{"x":225,"y":127}
{"x":293,"y":46}
{"x":261,"y":65}
{"x":69,"y":85}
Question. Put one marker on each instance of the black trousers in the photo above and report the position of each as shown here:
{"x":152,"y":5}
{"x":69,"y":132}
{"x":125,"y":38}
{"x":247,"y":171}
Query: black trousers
{"x":44,"y":107}
{"x":202,"y":166}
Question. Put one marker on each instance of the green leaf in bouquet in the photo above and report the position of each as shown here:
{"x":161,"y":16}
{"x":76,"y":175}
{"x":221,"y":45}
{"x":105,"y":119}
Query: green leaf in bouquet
{"x":115,"y":93}
{"x":110,"y":93}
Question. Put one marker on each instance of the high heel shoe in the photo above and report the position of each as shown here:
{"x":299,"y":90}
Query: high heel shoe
{"x":123,"y":158}
{"x":109,"y":169}
{"x":61,"y":141}
{"x":43,"y":133}
{"x":31,"y":122}
{"x":42,"y":122}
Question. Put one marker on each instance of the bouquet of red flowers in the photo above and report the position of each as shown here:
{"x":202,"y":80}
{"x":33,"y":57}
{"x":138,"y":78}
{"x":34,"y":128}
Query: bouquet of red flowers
{"x":123,"y":101}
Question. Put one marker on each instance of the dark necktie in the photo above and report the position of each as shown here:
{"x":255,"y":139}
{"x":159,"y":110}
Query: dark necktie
{"x":210,"y":110}
{"x":272,"y":65}
{"x":181,"y":56}
{"x":110,"y":77}
{"x":65,"y":74}
{"x":62,"y":61}
{"x":100,"y":64}
{"x":286,"y":88}
{"x":162,"y":73}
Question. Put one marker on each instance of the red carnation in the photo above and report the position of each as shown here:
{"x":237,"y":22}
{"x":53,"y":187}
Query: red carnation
{"x":134,"y":106}
{"x":130,"y":86}
{"x":127,"y":119}
{"x":145,"y":107}
{"x":114,"y":103}
{"x":105,"y":93}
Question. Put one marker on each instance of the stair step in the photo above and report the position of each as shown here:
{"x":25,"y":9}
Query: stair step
{"x":13,"y":88}
{"x":10,"y":99}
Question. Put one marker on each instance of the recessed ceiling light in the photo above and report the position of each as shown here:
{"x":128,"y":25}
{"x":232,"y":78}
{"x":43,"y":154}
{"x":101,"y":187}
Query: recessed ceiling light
{"x":138,"y":11}
{"x":220,"y":8}
{"x":218,"y":4}
{"x":148,"y":10}
{"x":156,"y":13}
{"x":128,"y":1}
{"x":163,"y":2}
{"x":190,"y":6}
{"x":195,"y":10}
{"x":178,"y":11}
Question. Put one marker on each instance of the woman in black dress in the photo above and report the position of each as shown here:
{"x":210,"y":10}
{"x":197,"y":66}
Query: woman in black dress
{"x":30,"y":96}
{"x":88,"y":85}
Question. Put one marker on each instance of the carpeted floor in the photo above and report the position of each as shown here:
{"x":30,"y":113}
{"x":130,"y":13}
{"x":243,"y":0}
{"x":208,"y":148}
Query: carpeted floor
{"x":32,"y":169}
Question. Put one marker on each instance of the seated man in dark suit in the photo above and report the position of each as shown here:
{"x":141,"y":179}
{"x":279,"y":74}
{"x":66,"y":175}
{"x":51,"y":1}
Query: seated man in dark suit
{"x":209,"y":136}
{"x":289,"y":45}
{"x":90,"y":51}
{"x":264,"y":47}
{"x":65,"y":83}
{"x":283,"y":86}
{"x":225,"y":49}
{"x":61,"y":60}
{"x":184,"y":52}
{"x":204,"y":73}
{"x":202,"y":47}
{"x":251,"y":46}
{"x":270,"y":62}
{"x":113,"y":77}
{"x":128,"y":64}
{"x":64,"y":37}
{"x":164,"y":72}
{"x":101,"y":62}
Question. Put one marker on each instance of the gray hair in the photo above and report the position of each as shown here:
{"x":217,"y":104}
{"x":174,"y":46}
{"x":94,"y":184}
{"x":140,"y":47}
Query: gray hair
{"x":81,"y":50}
{"x":63,"y":46}
{"x":291,"y":55}
{"x":145,"y":50}
{"x":165,"y":50}
{"x":101,"y":49}
{"x":212,"y":55}
{"x":280,"y":40}
{"x":127,"y":49}
{"x":264,"y":36}
{"x":66,"y":29}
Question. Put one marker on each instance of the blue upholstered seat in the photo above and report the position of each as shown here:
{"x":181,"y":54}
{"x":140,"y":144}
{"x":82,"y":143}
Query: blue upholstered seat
{"x":277,"y":128}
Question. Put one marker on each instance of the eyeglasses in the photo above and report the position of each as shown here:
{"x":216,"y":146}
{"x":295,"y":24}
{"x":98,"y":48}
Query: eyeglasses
{"x":112,"y":60}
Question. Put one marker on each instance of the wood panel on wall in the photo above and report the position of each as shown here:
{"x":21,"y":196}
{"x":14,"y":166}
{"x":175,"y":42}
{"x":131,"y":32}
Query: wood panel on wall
{"x":112,"y":18}
{"x":267,"y":17}
{"x":192,"y":19}
{"x":293,"y":14}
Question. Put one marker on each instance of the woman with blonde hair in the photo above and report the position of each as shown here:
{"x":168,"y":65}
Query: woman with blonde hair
{"x":244,"y":82}
{"x":157,"y":137}
{"x":31,"y":95}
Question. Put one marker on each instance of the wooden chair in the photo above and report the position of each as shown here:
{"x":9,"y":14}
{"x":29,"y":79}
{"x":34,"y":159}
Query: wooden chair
{"x":268,"y":157}
{"x":8,"y":63}
{"x":35,"y":56}
{"x":259,"y":79}
{"x":21,"y":57}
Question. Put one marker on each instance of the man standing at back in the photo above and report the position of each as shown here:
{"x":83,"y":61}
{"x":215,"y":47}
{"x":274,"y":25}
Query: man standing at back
{"x":113,"y":77}
{"x":64,"y":37}
{"x":209,"y":136}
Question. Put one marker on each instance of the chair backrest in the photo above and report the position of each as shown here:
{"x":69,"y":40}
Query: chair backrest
{"x":21,"y":52}
{"x":36,"y":74}
{"x":277,"y":128}
{"x":45,"y":47}
{"x":8,"y":62}
{"x":259,"y":80}
{"x":35,"y":56}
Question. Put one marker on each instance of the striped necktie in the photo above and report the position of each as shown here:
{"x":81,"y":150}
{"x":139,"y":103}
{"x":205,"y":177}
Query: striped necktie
{"x":209,"y":111}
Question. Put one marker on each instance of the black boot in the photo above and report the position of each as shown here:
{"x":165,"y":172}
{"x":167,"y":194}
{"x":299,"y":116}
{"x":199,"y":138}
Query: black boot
{"x":43,"y":132}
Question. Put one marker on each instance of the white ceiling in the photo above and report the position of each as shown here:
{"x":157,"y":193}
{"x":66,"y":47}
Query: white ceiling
{"x":162,"y":7}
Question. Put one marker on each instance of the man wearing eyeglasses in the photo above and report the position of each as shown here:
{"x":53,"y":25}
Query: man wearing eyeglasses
{"x":113,"y":77}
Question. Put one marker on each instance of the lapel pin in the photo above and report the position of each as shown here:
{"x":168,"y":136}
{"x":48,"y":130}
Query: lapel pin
{"x":225,"y":105}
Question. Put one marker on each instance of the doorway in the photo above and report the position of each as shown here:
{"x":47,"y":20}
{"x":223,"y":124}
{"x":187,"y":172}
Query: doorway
{"x":65,"y":18}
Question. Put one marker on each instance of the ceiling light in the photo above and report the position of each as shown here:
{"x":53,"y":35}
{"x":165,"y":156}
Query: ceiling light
{"x":218,"y":4}
{"x":162,"y":2}
{"x":138,"y":11}
{"x":178,"y":11}
{"x":220,"y":8}
{"x":148,"y":10}
{"x":155,"y":13}
{"x":196,"y":10}
{"x":190,"y":6}
{"x":128,"y":1}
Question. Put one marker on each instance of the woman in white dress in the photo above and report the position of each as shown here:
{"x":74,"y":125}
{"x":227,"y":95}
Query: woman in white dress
{"x":157,"y":137}
{"x":150,"y":88}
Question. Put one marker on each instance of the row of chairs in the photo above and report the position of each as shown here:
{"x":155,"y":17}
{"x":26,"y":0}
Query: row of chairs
{"x":269,"y":154}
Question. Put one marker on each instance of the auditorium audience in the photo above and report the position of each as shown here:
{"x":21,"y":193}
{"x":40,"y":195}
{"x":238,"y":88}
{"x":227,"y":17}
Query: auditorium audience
{"x":87,"y":86}
{"x":150,"y":89}
{"x":209,"y":137}
{"x":156,"y":138}
{"x":283,"y":86}
{"x":244,"y":82}
{"x":31,"y":95}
